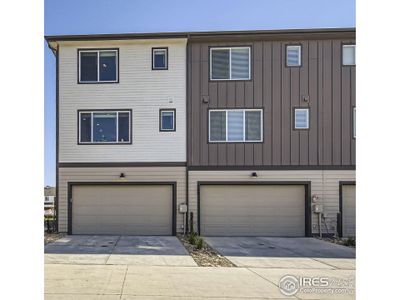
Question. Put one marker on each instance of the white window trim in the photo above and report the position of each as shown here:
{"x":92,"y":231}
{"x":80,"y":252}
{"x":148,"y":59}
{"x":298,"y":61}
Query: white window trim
{"x":166,"y":58}
{"x":308,"y":118}
{"x":98,"y":65}
{"x":116,"y":126}
{"x":244,"y":126}
{"x":349,"y":46}
{"x":230,"y":63}
{"x":173,"y":120}
{"x":287,"y":58}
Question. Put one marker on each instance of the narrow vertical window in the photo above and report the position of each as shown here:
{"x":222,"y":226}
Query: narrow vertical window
{"x":167,"y":120}
{"x":301,"y":118}
{"x":123,"y":126}
{"x":160,"y":58}
{"x":235,"y":126}
{"x":349,"y":55}
{"x":88,"y":66}
{"x":293,"y":55}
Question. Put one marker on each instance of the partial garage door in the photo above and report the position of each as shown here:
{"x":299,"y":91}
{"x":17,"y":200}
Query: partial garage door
{"x":252,"y":210}
{"x":349,"y":210}
{"x":122,"y":209}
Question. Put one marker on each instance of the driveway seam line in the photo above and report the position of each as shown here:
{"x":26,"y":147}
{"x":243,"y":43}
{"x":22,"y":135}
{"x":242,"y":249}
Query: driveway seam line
{"x":123,"y":283}
{"x":112,"y":251}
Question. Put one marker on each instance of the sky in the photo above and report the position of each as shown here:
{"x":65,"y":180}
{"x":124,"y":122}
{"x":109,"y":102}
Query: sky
{"x":130,"y":16}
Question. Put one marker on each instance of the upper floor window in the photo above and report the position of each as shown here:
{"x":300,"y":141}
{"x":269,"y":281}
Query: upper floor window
{"x":293,"y":55}
{"x":235,"y":125}
{"x":230,"y":63}
{"x":349,"y":55}
{"x":301,"y":118}
{"x":105,"y":127}
{"x":160,"y":58}
{"x":167,"y":120}
{"x":98,"y":66}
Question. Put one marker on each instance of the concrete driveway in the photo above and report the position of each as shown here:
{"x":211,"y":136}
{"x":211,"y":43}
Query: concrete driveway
{"x":127,"y":267}
{"x":276,"y":252}
{"x":118,"y":250}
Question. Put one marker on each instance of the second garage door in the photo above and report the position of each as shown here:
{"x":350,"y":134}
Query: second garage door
{"x":252,"y":210}
{"x":122,"y":209}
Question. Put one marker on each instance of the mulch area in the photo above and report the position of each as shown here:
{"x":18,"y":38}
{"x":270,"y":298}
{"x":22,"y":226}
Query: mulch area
{"x":207,"y":256}
{"x":51,"y":237}
{"x":339,"y":241}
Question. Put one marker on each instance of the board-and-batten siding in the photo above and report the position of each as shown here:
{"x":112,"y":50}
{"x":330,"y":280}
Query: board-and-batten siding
{"x":140,"y":88}
{"x":277,"y":89}
{"x":111,"y":174}
{"x":324,"y":184}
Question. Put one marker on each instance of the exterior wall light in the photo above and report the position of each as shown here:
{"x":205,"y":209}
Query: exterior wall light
{"x":122,"y":176}
{"x":254,"y":175}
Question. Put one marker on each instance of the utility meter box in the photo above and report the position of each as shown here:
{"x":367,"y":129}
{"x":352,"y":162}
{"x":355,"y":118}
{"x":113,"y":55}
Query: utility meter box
{"x":182,"y":208}
{"x":318,"y":208}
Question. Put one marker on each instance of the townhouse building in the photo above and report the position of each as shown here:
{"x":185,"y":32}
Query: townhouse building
{"x":248,"y":133}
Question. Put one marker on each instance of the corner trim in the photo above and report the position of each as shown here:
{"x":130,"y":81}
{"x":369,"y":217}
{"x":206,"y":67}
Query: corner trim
{"x":111,"y":183}
{"x":307,"y":198}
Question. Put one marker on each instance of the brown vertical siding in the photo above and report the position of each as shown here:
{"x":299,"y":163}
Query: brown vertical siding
{"x":277,"y":89}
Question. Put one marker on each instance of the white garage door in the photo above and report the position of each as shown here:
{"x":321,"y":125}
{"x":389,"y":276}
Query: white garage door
{"x":349,"y":210}
{"x":252,"y":210}
{"x":122,"y":209}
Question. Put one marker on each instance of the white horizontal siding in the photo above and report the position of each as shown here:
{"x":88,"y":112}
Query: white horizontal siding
{"x":324,"y":184}
{"x":141,"y":89}
{"x":152,"y":174}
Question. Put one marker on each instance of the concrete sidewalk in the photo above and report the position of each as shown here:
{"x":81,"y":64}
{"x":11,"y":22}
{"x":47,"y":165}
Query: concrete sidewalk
{"x":147,"y":282}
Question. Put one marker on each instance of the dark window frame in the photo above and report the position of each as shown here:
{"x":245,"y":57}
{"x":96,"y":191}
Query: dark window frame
{"x":79,"y":50}
{"x":128,"y":110}
{"x":210,"y":48}
{"x":342,"y":46}
{"x":166,"y":58}
{"x":301,"y":55}
{"x":261,"y":109}
{"x":294,"y":118}
{"x":160,"y":119}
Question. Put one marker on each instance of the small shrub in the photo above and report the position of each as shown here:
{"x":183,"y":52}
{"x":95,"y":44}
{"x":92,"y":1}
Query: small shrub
{"x":193,"y":238}
{"x":350,"y":241}
{"x":200,"y":243}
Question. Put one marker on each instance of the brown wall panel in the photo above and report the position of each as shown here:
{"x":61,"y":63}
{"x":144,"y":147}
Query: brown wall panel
{"x":277,"y":89}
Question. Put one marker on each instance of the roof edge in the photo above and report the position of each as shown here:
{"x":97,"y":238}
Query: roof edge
{"x":160,"y":35}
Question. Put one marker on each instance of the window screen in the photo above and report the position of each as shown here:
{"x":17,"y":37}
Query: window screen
{"x":88,"y":66}
{"x":217,"y":125}
{"x":86,"y":127}
{"x":235,"y":126}
{"x":123,"y":127}
{"x":253,"y":125}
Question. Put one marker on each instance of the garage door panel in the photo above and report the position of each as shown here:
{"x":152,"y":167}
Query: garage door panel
{"x":117,"y":209}
{"x":251,"y":210}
